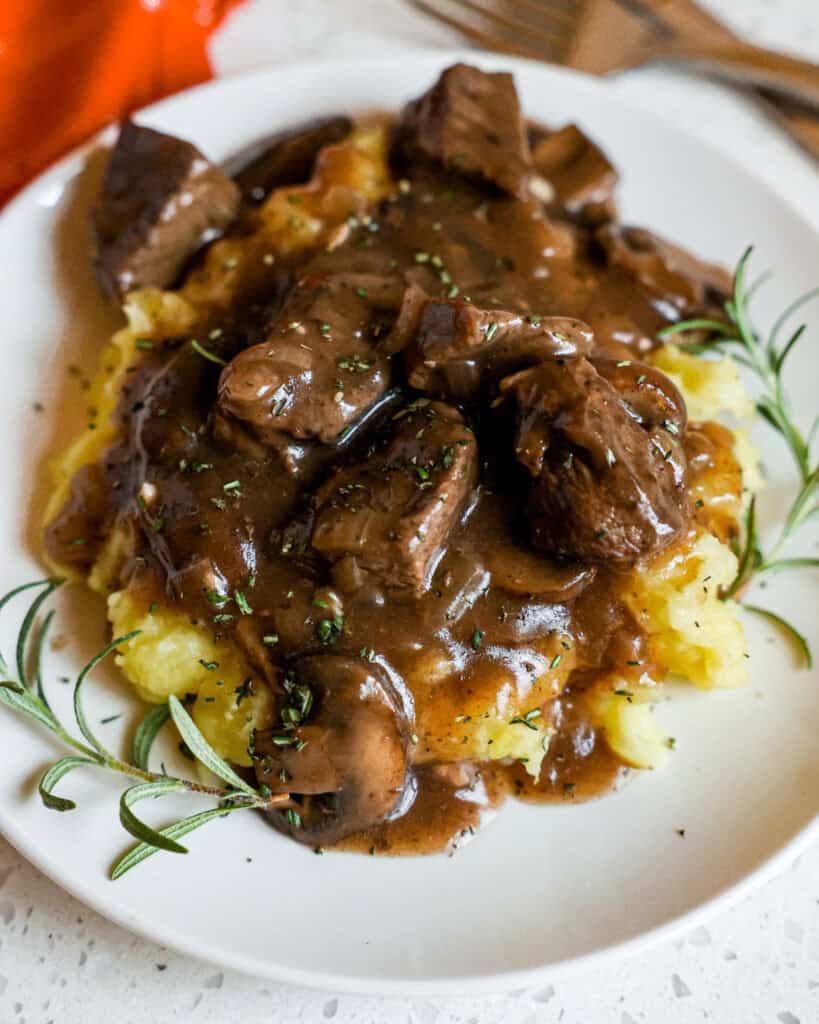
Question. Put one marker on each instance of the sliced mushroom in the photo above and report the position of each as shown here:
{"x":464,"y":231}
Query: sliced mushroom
{"x":342,"y":749}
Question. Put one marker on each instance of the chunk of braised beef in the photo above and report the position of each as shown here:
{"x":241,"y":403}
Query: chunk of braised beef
{"x":470,"y":122}
{"x":647,"y":394}
{"x":393,"y":511}
{"x":458,"y":347}
{"x":317,"y":372}
{"x":286,"y":158}
{"x":687,"y":285}
{"x":161,"y":200}
{"x":608,"y":466}
{"x":581,"y":175}
{"x":341,"y":749}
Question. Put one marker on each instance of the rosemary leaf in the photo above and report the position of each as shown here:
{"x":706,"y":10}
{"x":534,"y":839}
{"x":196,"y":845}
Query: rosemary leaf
{"x":693,"y":325}
{"x":778,"y":360}
{"x":26,"y":627}
{"x":138,"y":829}
{"x":20,"y":699}
{"x":795,"y":636}
{"x":85,"y":729}
{"x":146,"y":733}
{"x":4,"y":600}
{"x":202,"y":750}
{"x":142,"y":851}
{"x":788,"y":312}
{"x":53,"y":775}
{"x":38,"y":657}
{"x":749,"y":552}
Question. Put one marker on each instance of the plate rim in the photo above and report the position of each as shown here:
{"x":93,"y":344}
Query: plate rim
{"x":36,"y":192}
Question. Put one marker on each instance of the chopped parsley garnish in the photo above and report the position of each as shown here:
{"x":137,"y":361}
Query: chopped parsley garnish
{"x":245,"y":690}
{"x":355,"y":364}
{"x":329,"y":630}
{"x":207,"y":354}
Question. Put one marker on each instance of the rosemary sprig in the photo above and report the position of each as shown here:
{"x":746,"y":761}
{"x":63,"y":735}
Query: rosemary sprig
{"x":766,"y":358}
{"x":26,"y":695}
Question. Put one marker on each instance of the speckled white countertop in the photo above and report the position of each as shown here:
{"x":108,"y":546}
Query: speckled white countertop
{"x":755,"y":964}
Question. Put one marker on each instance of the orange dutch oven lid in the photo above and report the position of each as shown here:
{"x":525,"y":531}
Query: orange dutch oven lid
{"x":67,"y":69}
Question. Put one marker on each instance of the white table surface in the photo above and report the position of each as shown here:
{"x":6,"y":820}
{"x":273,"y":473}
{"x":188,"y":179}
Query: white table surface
{"x":755,"y":964}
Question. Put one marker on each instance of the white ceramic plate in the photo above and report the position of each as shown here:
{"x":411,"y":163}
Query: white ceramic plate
{"x":543,"y":887}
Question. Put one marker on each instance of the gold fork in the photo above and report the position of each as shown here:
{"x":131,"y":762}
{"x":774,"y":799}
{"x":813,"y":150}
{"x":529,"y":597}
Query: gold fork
{"x":604,"y":36}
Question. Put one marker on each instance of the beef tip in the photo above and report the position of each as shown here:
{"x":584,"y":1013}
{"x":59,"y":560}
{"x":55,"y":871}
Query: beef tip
{"x":394,"y":511}
{"x":286,"y":158}
{"x":687,"y":284}
{"x":646,"y":394}
{"x":457,"y":345}
{"x":317,"y":372}
{"x":470,"y":121}
{"x":608,"y":468}
{"x":341,"y":750}
{"x":161,"y":200}
{"x":580,"y":174}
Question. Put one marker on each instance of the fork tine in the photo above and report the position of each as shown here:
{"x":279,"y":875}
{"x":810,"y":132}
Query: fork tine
{"x":488,"y":39}
{"x":497,"y":13}
{"x":562,"y":11}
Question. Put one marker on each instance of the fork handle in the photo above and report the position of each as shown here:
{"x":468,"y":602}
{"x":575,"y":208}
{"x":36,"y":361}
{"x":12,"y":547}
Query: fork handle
{"x":752,"y":65}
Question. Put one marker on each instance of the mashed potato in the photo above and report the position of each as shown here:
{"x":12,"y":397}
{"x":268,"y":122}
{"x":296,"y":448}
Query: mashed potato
{"x":711,"y":387}
{"x":172,"y":656}
{"x":691,"y":631}
{"x":625,"y":715}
